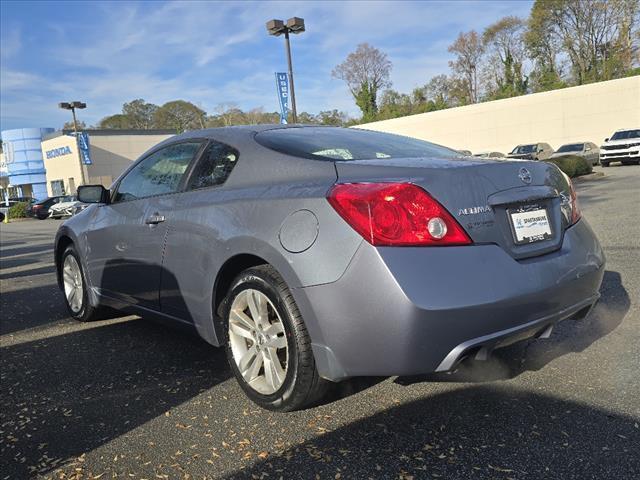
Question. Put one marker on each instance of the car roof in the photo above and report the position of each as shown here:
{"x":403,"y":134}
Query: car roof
{"x":232,"y":134}
{"x":242,"y":130}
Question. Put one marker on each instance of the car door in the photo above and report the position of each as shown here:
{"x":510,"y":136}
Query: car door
{"x":200,"y":218}
{"x":127,"y":236}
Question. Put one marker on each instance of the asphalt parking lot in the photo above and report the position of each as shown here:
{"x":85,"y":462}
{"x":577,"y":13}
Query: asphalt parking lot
{"x":128,"y":398}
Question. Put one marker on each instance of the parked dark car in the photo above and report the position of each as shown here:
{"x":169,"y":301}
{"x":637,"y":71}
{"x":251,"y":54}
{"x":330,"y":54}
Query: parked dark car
{"x":315,"y":254}
{"x":532,"y":151}
{"x":40,"y":210}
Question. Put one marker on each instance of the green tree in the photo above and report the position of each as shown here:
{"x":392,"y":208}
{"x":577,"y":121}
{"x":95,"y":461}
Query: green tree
{"x":69,"y":125}
{"x":180,"y":115}
{"x":332,"y":117}
{"x":139,"y":113}
{"x":119,"y":121}
{"x":595,"y":35}
{"x":366,"y":72}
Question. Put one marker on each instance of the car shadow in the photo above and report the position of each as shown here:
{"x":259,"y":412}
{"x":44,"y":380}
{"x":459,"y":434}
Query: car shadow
{"x":568,"y":336}
{"x":12,"y":252}
{"x":68,"y":394}
{"x":477,"y":431}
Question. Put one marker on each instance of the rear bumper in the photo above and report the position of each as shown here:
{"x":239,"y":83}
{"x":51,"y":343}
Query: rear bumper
{"x":408,"y":311}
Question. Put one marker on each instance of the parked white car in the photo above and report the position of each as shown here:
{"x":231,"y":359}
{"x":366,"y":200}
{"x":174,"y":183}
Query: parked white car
{"x":65,"y":209}
{"x":623,"y":146}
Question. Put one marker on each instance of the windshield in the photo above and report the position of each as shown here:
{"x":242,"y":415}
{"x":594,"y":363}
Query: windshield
{"x":626,"y":134}
{"x":520,"y":149}
{"x":574,"y":147}
{"x":345,"y":144}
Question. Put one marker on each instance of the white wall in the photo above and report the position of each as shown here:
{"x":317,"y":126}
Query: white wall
{"x":585,"y":113}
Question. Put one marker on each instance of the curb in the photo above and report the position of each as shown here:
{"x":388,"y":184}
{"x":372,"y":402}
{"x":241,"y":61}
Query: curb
{"x":589,"y":177}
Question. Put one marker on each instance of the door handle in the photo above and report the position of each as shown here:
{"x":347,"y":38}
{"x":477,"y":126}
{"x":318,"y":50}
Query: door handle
{"x":154,"y":219}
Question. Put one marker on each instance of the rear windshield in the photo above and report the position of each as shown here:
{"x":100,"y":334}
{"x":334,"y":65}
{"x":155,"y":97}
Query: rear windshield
{"x":627,"y":134}
{"x":344,"y":144}
{"x":574,"y":147}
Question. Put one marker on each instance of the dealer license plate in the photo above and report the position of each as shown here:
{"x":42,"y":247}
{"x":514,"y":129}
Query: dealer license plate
{"x":530,"y":226}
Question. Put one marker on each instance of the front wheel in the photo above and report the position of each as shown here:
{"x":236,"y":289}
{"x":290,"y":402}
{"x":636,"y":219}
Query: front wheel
{"x":74,"y":287}
{"x":604,"y":164}
{"x":268,"y":346}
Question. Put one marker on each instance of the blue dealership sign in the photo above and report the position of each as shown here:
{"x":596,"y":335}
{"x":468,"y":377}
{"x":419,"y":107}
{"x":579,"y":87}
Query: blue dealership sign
{"x":282,"y":83}
{"x":83,"y":147}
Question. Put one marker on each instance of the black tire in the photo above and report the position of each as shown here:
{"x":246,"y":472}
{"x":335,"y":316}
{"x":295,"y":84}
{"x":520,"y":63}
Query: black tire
{"x":86,"y":313}
{"x":302,"y":386}
{"x":604,"y":164}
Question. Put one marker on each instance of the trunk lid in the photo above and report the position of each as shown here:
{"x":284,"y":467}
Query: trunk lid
{"x":481,"y":194}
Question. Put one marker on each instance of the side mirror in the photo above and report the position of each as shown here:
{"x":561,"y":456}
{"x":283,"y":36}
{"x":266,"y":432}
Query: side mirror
{"x":606,"y":139}
{"x":93,"y":194}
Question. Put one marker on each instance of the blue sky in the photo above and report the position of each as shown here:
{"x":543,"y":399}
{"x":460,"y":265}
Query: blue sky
{"x":212,"y":53}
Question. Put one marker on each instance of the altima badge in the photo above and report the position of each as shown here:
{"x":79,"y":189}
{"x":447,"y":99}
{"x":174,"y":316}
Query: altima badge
{"x":474,"y":210}
{"x":525,"y":176}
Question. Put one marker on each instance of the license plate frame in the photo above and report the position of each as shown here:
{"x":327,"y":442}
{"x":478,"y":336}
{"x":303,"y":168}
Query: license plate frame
{"x":530,"y":225}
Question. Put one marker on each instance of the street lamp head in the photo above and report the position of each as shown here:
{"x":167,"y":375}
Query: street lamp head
{"x":65,"y":105}
{"x":79,"y":105}
{"x":295,"y":25}
{"x":275,"y":27}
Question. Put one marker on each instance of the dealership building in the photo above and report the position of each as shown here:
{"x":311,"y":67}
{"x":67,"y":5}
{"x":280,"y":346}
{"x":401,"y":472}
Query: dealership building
{"x":93,"y":157}
{"x":40,"y":162}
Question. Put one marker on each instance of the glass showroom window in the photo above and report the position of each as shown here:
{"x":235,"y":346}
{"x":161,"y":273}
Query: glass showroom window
{"x":57,"y":187}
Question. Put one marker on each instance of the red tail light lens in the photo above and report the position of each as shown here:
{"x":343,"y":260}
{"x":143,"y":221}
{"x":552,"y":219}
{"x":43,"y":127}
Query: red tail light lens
{"x":575,"y":210}
{"x":396,"y":214}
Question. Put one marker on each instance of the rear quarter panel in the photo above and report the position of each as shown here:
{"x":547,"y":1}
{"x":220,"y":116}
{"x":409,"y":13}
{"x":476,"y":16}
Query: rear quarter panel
{"x":245,"y":216}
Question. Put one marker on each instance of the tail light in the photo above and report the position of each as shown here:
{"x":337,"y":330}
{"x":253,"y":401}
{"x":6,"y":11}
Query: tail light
{"x":575,"y":210}
{"x":36,"y":207}
{"x":396,"y":214}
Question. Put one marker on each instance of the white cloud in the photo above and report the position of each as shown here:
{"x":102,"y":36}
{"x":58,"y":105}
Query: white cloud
{"x":219,"y":52}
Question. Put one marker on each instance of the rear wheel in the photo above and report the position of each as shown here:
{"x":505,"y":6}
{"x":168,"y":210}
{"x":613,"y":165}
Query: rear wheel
{"x":604,"y":164}
{"x":75,"y":287}
{"x":268,"y":346}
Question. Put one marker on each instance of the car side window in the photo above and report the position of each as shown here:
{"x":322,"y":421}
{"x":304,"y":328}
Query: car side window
{"x":157,"y":174}
{"x":214,"y":166}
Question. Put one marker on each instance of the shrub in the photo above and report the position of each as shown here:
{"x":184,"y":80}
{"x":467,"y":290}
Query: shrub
{"x":18,"y":210}
{"x":572,"y":165}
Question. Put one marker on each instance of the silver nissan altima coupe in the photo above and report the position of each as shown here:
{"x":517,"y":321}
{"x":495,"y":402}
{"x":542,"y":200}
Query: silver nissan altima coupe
{"x":316,"y":254}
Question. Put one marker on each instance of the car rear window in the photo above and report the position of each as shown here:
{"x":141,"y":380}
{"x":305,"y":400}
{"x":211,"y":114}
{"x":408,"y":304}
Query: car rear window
{"x":346,"y":144}
{"x":574,"y":147}
{"x":524,"y":149}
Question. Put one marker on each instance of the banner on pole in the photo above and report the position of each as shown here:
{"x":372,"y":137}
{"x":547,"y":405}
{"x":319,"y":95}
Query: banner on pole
{"x":83,"y":147}
{"x":282,"y":84}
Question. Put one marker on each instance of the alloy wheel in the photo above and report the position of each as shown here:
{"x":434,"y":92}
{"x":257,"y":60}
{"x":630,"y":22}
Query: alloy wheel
{"x":258,"y":342}
{"x":72,"y":279}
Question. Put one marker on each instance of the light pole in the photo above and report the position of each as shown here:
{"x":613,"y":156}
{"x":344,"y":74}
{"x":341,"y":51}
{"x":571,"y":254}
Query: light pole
{"x":276,"y":28}
{"x":72,"y":106}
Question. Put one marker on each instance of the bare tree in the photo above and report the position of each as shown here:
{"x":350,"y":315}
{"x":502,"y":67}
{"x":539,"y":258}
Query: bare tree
{"x":365,"y":71}
{"x":468,"y":49}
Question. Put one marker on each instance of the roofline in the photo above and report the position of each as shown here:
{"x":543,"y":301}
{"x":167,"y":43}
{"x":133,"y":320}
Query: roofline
{"x":105,"y":132}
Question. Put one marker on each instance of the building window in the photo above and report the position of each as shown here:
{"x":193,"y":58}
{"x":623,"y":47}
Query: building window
{"x":57,"y":187}
{"x":72,"y":186}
